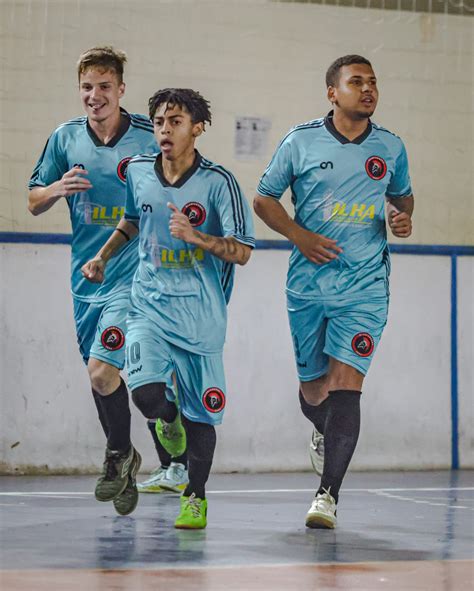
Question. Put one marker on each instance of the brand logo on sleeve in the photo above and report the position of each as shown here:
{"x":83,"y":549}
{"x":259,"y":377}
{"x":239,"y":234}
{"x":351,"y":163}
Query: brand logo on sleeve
{"x":112,"y":338}
{"x":363,"y":344}
{"x":376,"y":167}
{"x":213,"y":400}
{"x":195,"y":212}
{"x":122,"y":168}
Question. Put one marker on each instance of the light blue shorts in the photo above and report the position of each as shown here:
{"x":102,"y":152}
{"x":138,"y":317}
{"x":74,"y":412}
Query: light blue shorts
{"x":199,"y":378}
{"x":100,"y":329}
{"x":346,"y":329}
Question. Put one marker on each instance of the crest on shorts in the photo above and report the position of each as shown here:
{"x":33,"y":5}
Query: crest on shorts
{"x":376,"y":167}
{"x":195,"y":212}
{"x":112,"y":338}
{"x":213,"y":400}
{"x":122,"y":168}
{"x":363,"y":344}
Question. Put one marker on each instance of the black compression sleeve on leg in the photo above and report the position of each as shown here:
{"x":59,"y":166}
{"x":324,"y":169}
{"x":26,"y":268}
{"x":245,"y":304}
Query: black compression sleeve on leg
{"x":316,"y":414}
{"x":165,"y":458}
{"x":100,"y":412}
{"x":201,"y":440}
{"x":341,"y":433}
{"x":151,"y":400}
{"x":117,"y":415}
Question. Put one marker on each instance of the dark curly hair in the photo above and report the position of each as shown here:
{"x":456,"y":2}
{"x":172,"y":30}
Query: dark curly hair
{"x":185,"y":98}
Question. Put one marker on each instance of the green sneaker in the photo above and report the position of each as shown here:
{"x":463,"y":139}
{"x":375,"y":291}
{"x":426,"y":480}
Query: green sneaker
{"x":127,"y":502}
{"x":172,"y":436}
{"x":193,"y":514}
{"x":115,"y":471}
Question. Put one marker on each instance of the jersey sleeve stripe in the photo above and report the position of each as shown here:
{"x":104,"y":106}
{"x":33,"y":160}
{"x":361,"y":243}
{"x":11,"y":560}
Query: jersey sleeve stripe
{"x":236,"y":195}
{"x":226,"y":275}
{"x":36,"y":171}
{"x":140,"y":126}
{"x":245,"y":240}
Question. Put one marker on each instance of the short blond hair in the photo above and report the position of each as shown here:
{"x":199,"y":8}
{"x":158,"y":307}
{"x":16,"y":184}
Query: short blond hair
{"x":104,"y":58}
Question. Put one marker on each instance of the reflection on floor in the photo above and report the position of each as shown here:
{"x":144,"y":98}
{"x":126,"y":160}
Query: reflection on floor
{"x":410,"y":530}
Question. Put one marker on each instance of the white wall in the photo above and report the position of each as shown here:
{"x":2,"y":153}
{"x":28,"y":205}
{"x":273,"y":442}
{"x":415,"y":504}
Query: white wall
{"x":48,"y":416}
{"x":248,"y":57}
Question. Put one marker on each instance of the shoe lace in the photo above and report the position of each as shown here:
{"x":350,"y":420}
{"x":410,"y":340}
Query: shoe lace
{"x":110,"y":469}
{"x":324,"y":500}
{"x":175,"y":471}
{"x":194,"y":505}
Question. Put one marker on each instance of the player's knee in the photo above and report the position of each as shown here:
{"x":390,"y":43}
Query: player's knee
{"x":150,"y":399}
{"x":313,"y":392}
{"x":104,"y":378}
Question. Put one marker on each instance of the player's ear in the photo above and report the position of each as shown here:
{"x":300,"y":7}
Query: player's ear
{"x":198,"y":128}
{"x":331,"y":94}
{"x":121,"y":89}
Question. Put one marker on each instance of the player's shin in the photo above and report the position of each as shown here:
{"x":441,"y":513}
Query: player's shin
{"x":100,"y":412}
{"x":116,"y":412}
{"x":201,"y":438}
{"x":341,"y":433}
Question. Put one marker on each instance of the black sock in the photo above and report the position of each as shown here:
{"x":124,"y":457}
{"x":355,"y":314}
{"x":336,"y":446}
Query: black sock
{"x":316,"y":414}
{"x":100,"y":412}
{"x":341,"y":433}
{"x":201,"y":440}
{"x":117,"y":416}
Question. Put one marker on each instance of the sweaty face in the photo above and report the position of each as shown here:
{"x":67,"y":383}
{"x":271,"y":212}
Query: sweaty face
{"x":174,"y":131}
{"x":356,"y":92}
{"x":100,"y":93}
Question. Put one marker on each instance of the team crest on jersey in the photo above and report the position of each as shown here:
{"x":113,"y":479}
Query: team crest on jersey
{"x":376,"y":167}
{"x":113,"y":338}
{"x":122,"y":168}
{"x":363,"y":344}
{"x":195,"y":212}
{"x":213,"y":400}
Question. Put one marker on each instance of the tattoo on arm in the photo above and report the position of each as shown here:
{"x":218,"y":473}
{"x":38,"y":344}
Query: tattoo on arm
{"x":228,"y":249}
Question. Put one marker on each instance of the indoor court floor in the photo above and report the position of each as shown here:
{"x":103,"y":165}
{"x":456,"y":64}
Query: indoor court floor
{"x":397,"y":531}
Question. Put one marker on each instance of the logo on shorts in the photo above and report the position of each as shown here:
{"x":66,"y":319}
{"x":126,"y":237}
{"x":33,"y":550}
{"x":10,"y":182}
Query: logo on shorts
{"x":376,"y":167}
{"x":363,"y":344}
{"x":122,"y":168}
{"x":195,"y":212}
{"x":213,"y":400}
{"x":113,"y":338}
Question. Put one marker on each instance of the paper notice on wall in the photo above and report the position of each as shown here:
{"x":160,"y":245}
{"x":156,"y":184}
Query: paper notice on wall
{"x":251,"y":137}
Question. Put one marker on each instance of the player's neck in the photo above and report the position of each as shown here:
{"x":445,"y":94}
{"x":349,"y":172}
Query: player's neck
{"x":107,"y":129}
{"x":348,"y":126}
{"x":173,"y":170}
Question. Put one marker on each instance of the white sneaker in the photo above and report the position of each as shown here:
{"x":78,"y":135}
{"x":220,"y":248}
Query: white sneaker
{"x":176,"y":478}
{"x":153,"y":484}
{"x":322,"y":512}
{"x":316,"y":451}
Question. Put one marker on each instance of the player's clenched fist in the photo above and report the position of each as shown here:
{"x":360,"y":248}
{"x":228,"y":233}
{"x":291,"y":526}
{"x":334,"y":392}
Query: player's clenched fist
{"x":73,"y":181}
{"x":316,"y":247}
{"x":400,"y":224}
{"x":180,"y":226}
{"x":94,"y":270}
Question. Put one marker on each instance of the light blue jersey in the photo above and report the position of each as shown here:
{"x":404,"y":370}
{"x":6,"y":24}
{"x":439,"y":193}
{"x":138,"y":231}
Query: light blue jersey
{"x":95,"y":213}
{"x":186,"y":287}
{"x":338,"y":190}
